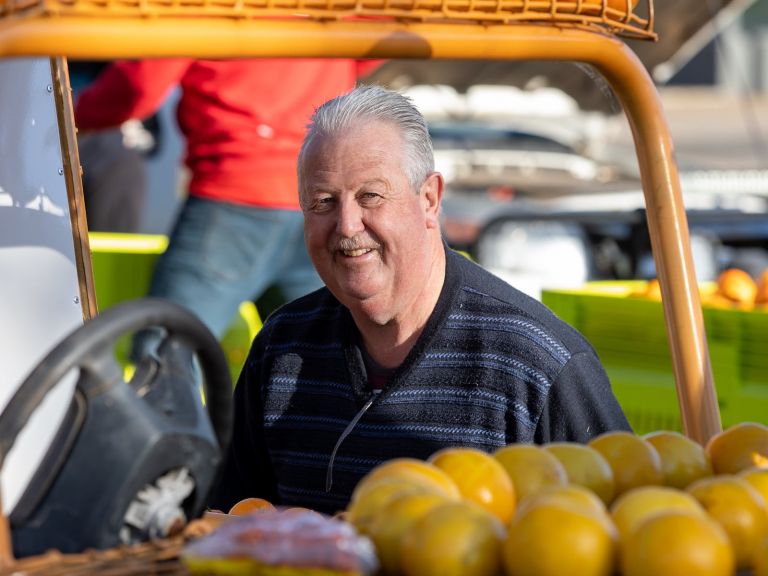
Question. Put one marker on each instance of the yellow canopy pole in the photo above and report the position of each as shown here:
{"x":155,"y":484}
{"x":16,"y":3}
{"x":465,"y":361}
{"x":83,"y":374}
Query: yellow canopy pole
{"x":668,"y":227}
{"x":89,"y":37}
{"x":81,"y":37}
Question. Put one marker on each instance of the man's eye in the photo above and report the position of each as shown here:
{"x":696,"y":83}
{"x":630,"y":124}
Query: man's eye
{"x":323,"y":204}
{"x":369,"y":197}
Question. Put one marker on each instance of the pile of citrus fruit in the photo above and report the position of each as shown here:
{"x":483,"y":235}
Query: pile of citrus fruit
{"x":658,"y":504}
{"x":734,"y":288}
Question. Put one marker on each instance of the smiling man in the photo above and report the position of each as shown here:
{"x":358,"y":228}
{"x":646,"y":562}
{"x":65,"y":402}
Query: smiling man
{"x":372,"y":231}
{"x":410,"y":347}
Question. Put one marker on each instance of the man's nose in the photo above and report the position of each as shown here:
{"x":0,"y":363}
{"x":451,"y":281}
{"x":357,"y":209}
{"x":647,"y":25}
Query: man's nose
{"x":350,"y":219}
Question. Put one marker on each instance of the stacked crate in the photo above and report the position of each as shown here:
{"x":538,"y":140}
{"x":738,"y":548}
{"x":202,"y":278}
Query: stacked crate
{"x":630,"y":336}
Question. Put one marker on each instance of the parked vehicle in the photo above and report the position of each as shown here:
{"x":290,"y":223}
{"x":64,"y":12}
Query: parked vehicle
{"x":533,"y":196}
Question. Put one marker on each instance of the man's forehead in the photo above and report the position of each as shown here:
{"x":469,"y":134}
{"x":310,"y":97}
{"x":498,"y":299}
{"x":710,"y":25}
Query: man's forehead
{"x":362,"y":148}
{"x":353,"y":174}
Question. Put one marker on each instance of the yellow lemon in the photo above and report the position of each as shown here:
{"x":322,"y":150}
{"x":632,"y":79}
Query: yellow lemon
{"x":739,"y":509}
{"x":586,"y":467}
{"x":636,"y":505}
{"x":739,"y":447}
{"x":368,"y":503}
{"x":758,"y":479}
{"x":414,"y":471}
{"x":634,"y":461}
{"x":454,"y":539}
{"x":570,"y":494}
{"x":677,"y":543}
{"x":388,"y":528}
{"x":480,"y":478}
{"x":531,"y":468}
{"x":552,"y":539}
{"x":682,"y":460}
{"x":761,"y":559}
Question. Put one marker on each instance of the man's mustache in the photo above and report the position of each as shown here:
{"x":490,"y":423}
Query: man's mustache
{"x":356,"y":243}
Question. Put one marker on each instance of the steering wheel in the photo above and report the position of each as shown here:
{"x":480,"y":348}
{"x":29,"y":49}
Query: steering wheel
{"x":90,"y":348}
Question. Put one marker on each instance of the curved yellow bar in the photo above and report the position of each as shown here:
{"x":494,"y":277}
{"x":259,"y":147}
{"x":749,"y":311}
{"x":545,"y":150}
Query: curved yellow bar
{"x":79,"y":37}
{"x":108,"y":38}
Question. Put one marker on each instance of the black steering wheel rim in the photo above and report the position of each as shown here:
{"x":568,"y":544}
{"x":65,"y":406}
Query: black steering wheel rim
{"x":86,"y":345}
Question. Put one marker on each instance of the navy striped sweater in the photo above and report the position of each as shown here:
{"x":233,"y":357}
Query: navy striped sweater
{"x":492,"y":366}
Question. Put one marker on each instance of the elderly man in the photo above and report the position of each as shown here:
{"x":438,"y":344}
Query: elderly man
{"x":410,"y":347}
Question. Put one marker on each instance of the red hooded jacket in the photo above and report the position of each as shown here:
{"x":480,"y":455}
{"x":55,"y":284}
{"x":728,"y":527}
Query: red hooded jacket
{"x":243,"y":120}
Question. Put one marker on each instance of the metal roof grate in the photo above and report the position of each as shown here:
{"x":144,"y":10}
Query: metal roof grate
{"x":637,"y":23}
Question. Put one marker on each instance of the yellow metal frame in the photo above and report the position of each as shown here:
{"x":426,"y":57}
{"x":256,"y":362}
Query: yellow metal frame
{"x":468,"y":29}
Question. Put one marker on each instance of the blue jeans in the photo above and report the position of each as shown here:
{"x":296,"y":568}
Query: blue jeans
{"x":220,"y":255}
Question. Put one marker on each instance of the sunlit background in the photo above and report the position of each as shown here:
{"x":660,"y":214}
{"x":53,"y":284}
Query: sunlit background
{"x":543,"y":186}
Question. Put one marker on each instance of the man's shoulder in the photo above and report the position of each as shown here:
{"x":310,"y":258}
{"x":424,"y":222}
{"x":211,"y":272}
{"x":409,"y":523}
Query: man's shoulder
{"x":486,"y":290}
{"x":483,"y":293}
{"x":312,"y":327}
{"x":318,"y":309}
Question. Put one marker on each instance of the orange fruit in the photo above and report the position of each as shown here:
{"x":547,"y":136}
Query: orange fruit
{"x":758,"y":479}
{"x":586,"y":467}
{"x":414,"y":471}
{"x":761,"y":294}
{"x":574,"y":496}
{"x":676,"y":543}
{"x":761,"y":560}
{"x":715,"y":300}
{"x":556,"y":538}
{"x":369,"y":501}
{"x":739,"y":447}
{"x":454,"y":539}
{"x":570,"y":494}
{"x":480,"y":478}
{"x":248,"y":505}
{"x":682,"y":460}
{"x":531,"y":468}
{"x":737,"y":286}
{"x":389,"y":527}
{"x":653,"y":289}
{"x":634,"y":461}
{"x":739,"y":509}
{"x":302,"y":512}
{"x":622,"y":5}
{"x":297,"y":510}
{"x":630,"y":509}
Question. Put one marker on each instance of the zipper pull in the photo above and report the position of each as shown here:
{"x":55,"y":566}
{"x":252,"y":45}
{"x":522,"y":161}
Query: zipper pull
{"x":344,"y":434}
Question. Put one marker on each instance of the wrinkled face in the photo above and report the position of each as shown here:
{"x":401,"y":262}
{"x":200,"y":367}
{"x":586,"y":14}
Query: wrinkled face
{"x":369,"y":234}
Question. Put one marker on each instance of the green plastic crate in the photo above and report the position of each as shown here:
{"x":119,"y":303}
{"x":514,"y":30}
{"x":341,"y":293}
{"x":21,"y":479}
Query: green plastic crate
{"x":122,"y":270}
{"x":630,"y":337}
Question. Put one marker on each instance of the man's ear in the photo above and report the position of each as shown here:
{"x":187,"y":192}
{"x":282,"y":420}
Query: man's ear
{"x":432,"y":197}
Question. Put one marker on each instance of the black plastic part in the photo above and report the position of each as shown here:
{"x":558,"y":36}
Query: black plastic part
{"x":116,"y":439}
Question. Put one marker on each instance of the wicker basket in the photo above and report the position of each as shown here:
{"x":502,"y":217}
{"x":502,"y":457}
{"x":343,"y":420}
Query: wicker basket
{"x":159,"y":557}
{"x":156,"y":557}
{"x":637,"y":23}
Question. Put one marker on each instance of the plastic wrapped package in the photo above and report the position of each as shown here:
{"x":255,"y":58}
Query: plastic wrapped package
{"x":282,"y":543}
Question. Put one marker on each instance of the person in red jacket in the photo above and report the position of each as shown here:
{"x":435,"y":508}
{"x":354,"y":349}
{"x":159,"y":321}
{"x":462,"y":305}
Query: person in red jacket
{"x":240,"y":228}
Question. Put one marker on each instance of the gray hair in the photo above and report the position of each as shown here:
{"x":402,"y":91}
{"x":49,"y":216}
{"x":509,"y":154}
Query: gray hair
{"x":367,"y":103}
